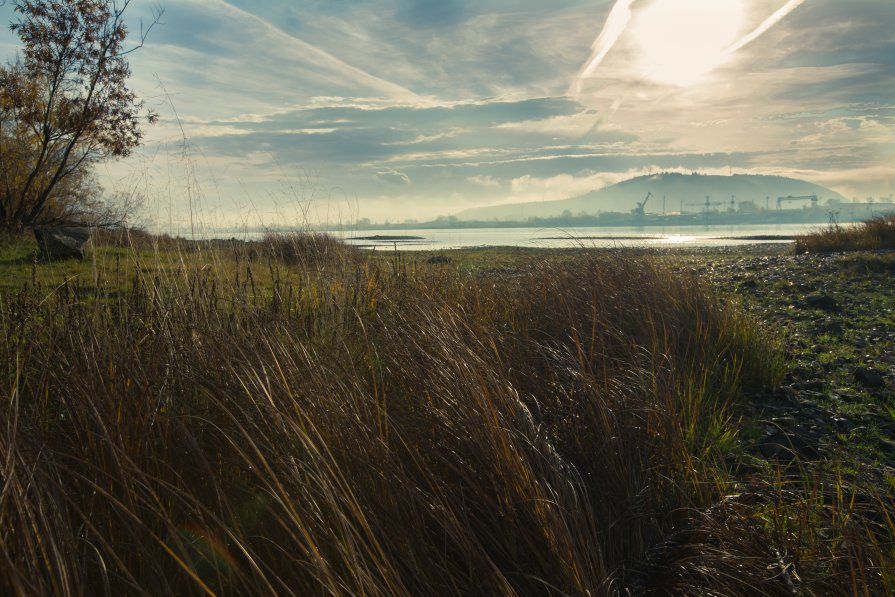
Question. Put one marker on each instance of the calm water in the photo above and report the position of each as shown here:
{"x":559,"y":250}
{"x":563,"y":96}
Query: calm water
{"x":456,"y":238}
{"x":683,"y":236}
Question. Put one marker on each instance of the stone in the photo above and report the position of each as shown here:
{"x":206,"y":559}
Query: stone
{"x":814,"y":385}
{"x":63,"y":242}
{"x":870,"y":378}
{"x":786,"y":447}
{"x":833,"y":328}
{"x":844,"y":425}
{"x":823,"y":302}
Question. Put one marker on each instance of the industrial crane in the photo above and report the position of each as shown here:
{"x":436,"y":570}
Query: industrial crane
{"x":780,"y":200}
{"x":638,"y":211}
{"x":707,"y":204}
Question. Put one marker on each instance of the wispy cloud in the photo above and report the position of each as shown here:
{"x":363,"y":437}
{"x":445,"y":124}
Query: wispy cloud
{"x":290,"y":44}
{"x":772,"y":20}
{"x":427,"y":108}
{"x":619,"y":18}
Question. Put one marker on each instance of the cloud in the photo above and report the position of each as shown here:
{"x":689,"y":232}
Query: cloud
{"x":425,"y":13}
{"x":617,"y":31}
{"x":619,"y":18}
{"x":455,"y":49}
{"x":216,"y":60}
{"x":368,"y":135}
{"x":425,"y":107}
{"x":488,"y":182}
{"x":769,"y":22}
{"x":392,"y":176}
{"x":528,"y":188}
{"x":292,"y":46}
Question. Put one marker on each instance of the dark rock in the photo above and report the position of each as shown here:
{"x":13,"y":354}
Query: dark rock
{"x":785,"y":447}
{"x":844,"y":425}
{"x":815,"y":385}
{"x":64,"y":242}
{"x":834,"y":328}
{"x":787,"y":393}
{"x":823,"y":302}
{"x":868,"y":377}
{"x":799,"y":373}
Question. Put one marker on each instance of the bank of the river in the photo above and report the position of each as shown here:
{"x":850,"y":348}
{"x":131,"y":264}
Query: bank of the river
{"x":836,"y":316}
{"x":236,"y":418}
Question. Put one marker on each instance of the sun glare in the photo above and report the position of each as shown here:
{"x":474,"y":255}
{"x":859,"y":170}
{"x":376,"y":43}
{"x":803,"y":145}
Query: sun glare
{"x":681,"y":41}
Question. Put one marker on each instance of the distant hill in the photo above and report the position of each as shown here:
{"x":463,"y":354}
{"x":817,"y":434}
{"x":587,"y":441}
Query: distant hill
{"x":690,"y":190}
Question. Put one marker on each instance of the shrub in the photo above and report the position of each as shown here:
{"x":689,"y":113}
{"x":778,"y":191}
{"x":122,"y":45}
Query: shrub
{"x":307,"y":249}
{"x":876,"y":233}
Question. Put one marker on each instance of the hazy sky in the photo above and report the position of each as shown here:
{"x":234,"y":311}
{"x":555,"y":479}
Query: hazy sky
{"x":304,"y":109}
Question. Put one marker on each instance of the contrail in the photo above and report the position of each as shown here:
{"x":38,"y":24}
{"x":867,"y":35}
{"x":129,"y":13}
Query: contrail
{"x":349,"y":71}
{"x":767,"y":24}
{"x":620,"y":17}
{"x":618,"y":20}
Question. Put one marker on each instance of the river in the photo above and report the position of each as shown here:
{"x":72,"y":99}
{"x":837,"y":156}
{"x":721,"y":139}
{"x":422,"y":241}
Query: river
{"x":681,"y":236}
{"x":426,"y":239}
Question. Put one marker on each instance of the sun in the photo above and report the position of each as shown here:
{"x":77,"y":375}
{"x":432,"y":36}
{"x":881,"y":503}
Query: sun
{"x":682,"y":41}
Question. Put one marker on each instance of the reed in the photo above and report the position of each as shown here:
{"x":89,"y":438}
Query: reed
{"x":294,"y":418}
{"x":875,"y":234}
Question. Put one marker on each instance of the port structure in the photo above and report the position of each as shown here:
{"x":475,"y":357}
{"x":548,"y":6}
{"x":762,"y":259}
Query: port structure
{"x":706,"y":205}
{"x":638,"y":211}
{"x":782,"y":200}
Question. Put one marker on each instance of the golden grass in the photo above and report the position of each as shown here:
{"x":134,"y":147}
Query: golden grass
{"x":239,"y":420}
{"x":874,"y":234}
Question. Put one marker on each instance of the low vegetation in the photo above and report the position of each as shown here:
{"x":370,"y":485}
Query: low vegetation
{"x":292,"y":417}
{"x":307,"y":249}
{"x":874,"y":234}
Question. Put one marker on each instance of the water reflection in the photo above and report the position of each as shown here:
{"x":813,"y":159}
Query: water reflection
{"x":456,"y":238}
{"x":603,"y":237}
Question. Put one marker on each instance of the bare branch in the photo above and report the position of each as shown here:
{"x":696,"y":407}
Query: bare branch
{"x":68,"y":103}
{"x":158,"y":13}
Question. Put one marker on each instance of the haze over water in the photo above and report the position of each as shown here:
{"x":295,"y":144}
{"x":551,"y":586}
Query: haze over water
{"x":541,"y":237}
{"x":617,"y":236}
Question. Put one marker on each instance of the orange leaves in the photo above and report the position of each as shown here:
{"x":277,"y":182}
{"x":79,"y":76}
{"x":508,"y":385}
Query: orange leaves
{"x":67,"y":98}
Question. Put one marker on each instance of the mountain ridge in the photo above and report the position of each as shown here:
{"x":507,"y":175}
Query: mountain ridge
{"x":671,"y":192}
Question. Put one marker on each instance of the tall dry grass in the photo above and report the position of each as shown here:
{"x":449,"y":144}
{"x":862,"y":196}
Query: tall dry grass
{"x":240,"y":423}
{"x":874,"y":234}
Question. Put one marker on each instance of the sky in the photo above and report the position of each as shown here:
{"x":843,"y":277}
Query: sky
{"x":284,"y":112}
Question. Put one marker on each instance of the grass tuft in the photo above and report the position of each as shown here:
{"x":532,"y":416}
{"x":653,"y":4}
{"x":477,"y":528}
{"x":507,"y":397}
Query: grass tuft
{"x":874,"y":234}
{"x":307,"y":249}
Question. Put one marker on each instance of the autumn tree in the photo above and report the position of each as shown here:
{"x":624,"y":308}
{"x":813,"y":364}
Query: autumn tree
{"x":64,"y":106}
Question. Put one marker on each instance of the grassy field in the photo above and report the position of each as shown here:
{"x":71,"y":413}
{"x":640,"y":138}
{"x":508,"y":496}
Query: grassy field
{"x":294,"y":417}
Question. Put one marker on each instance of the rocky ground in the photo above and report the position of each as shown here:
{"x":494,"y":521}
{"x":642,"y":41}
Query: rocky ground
{"x":835,"y":315}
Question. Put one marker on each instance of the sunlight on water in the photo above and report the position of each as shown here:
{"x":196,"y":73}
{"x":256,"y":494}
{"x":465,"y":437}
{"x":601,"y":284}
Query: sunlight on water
{"x":424,"y":239}
{"x":606,"y":237}
{"x":682,"y":239}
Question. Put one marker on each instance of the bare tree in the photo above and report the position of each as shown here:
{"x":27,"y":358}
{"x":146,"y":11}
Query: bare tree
{"x":64,"y":105}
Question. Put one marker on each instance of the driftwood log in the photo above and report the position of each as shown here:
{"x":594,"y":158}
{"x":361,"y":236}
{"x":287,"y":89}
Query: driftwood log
{"x":62,"y":242}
